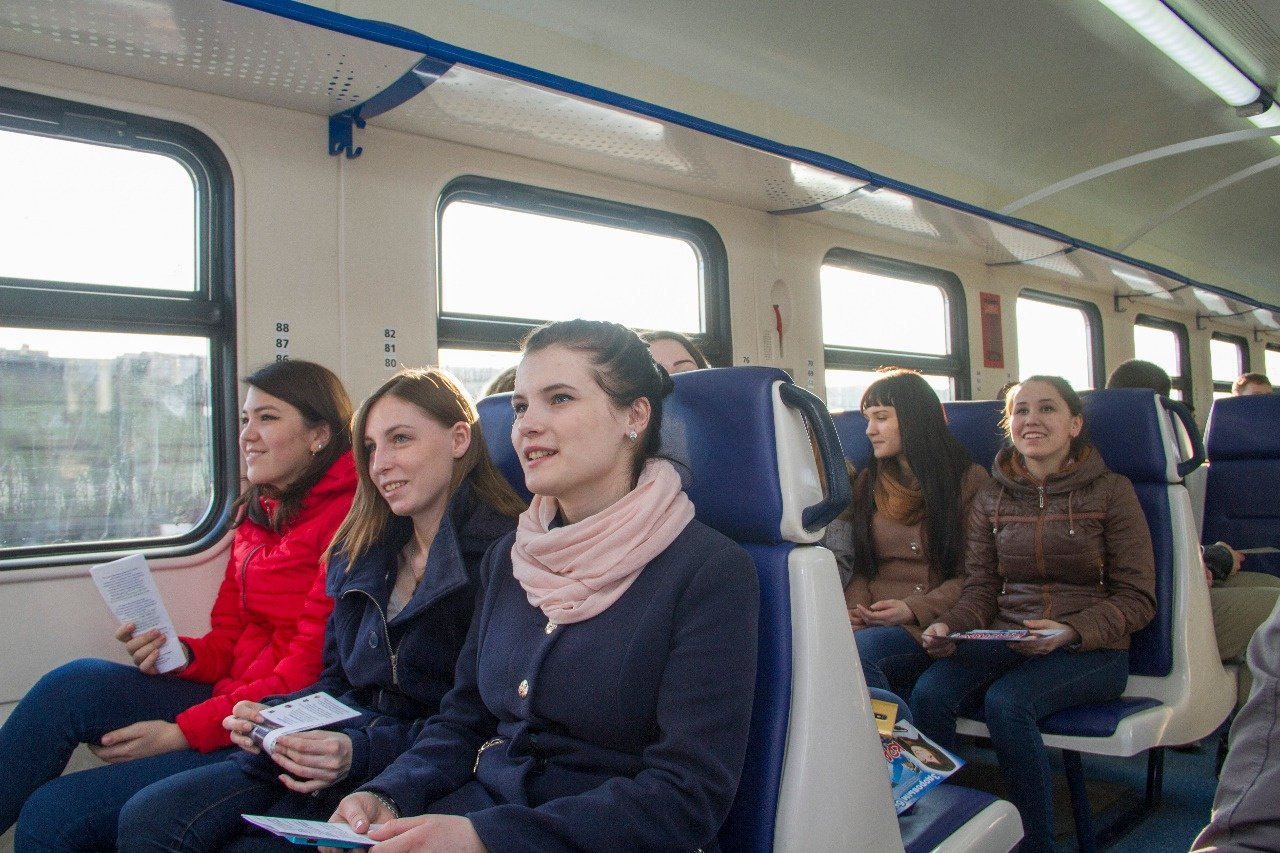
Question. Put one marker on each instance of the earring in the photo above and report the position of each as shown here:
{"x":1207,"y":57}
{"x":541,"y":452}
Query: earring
{"x":633,"y":435}
{"x":318,"y":448}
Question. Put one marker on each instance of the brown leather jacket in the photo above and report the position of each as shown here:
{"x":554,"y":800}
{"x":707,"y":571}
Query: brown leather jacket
{"x":1075,"y":549}
{"x":902,"y":570}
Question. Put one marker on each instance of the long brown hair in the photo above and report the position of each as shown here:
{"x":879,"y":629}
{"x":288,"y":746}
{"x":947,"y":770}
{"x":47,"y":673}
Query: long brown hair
{"x":441,"y":398}
{"x":319,"y":397}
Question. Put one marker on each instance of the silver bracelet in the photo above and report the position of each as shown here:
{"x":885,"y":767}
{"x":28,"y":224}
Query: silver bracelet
{"x":385,"y":800}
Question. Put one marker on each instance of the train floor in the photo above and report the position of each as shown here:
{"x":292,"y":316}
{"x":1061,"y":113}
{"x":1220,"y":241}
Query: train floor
{"x":1114,"y":783}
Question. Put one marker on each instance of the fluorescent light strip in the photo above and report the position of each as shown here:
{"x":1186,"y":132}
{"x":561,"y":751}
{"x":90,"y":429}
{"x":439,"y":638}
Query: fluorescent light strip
{"x":1185,"y":46}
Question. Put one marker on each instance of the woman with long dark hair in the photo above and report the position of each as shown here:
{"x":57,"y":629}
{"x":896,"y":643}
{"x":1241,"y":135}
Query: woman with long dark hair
{"x":299,"y":482}
{"x":900,"y":546}
{"x":1058,"y":544}
{"x":603,"y":698}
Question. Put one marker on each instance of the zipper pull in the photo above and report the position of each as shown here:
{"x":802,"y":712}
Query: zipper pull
{"x":1040,"y":489}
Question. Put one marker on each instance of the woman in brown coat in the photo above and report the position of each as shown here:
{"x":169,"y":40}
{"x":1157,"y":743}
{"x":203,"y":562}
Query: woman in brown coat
{"x":1057,"y":543}
{"x":900,"y":548}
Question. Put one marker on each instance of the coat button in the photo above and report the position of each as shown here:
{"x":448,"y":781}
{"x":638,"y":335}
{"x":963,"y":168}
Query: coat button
{"x":919,"y":588}
{"x":523,"y":690}
{"x":915,"y":546}
{"x":373,"y":639}
{"x":551,"y":626}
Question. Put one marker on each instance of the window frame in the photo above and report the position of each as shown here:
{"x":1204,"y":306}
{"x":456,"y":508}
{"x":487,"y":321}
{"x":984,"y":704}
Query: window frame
{"x":1242,"y":344}
{"x":1182,"y":382}
{"x":492,"y":332}
{"x":1092,"y":317}
{"x":954,"y":365}
{"x":207,"y":312}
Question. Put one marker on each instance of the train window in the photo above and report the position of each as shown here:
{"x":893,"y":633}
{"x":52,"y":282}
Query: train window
{"x":475,"y":368}
{"x":116,"y":349}
{"x":1228,"y":358}
{"x":1272,"y":360}
{"x":1058,"y":336}
{"x":865,"y":302}
{"x":1165,"y":343}
{"x":513,"y":256}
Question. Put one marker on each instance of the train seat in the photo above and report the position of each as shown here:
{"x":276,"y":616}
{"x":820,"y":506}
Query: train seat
{"x":1242,"y":489}
{"x":975,"y":423}
{"x":815,"y":776}
{"x":1178,"y":690}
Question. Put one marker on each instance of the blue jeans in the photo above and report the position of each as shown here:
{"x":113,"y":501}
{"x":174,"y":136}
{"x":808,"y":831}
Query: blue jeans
{"x":1019,"y":691}
{"x":891,"y":658}
{"x":78,"y":703}
{"x":199,"y":810}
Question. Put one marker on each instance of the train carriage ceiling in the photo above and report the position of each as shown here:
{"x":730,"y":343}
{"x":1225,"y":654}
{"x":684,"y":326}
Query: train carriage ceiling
{"x":986,"y":102}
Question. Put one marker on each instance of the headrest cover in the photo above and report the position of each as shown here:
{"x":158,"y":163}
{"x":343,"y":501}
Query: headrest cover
{"x":976,"y":425}
{"x":1131,"y":430}
{"x":1244,"y":428}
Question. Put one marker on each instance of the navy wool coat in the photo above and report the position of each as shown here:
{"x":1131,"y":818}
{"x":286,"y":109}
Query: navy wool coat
{"x":397,"y":671}
{"x":626,"y":731}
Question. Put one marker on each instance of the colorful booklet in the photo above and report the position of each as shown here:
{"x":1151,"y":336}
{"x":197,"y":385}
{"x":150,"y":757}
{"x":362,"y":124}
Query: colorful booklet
{"x":916,"y":764}
{"x":314,"y":833}
{"x":1007,"y":635}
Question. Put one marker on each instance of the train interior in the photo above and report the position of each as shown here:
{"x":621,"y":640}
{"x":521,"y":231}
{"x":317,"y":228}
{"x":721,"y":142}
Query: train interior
{"x":1006,"y":157}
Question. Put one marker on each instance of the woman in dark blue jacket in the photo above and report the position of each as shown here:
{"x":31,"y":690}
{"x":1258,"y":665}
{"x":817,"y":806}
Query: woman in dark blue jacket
{"x":603,"y":699}
{"x":403,"y":576}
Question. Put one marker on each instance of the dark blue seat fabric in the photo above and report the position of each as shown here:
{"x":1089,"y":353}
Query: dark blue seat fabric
{"x":974,"y":423}
{"x":1242,"y":490}
{"x":938,"y":814}
{"x":1125,"y":425}
{"x":496,"y":418}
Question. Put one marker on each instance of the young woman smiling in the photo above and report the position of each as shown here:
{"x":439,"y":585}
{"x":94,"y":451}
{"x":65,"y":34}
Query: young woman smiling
{"x":403,"y":576}
{"x":900,"y":546}
{"x":147,"y":726}
{"x":604,"y":696}
{"x":1057,"y":541}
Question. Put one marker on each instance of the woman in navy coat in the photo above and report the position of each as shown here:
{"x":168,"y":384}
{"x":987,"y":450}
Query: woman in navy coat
{"x":603,"y":699}
{"x":404,"y":578}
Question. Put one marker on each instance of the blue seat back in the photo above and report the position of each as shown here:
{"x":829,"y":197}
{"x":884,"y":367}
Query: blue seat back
{"x":1242,"y":492}
{"x":723,"y":429}
{"x":1126,"y":427}
{"x":974,"y":423}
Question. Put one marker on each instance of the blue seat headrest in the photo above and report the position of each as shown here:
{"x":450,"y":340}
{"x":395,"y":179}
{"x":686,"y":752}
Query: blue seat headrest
{"x":976,"y":425}
{"x":1244,"y":428}
{"x":1125,"y":425}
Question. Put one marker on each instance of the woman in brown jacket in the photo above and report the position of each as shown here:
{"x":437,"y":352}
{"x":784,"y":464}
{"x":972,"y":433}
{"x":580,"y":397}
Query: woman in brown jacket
{"x":900,"y":547}
{"x":1057,"y":543}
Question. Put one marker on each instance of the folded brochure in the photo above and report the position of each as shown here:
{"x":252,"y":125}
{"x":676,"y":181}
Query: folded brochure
{"x":311,"y":832}
{"x":313,"y":711}
{"x":1006,"y":634}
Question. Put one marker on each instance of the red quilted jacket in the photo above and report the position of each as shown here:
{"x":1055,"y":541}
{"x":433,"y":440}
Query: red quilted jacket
{"x":246,"y":654}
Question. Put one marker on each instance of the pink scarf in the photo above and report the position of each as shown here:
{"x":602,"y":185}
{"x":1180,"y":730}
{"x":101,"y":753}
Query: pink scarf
{"x":577,"y":571}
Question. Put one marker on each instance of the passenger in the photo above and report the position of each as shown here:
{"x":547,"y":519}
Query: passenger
{"x":1240,"y":601}
{"x":1246,"y":811}
{"x":501,"y":383}
{"x":1058,"y":542}
{"x":403,"y":576}
{"x":604,"y":696}
{"x":148,"y":726}
{"x":900,"y":545}
{"x":675,"y":352}
{"x":1247,"y":384}
{"x":1136,"y":373}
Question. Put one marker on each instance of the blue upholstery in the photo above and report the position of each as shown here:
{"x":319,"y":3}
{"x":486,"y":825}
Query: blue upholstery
{"x":496,"y":418}
{"x":975,"y":423}
{"x":1242,"y":491}
{"x":1125,"y":425}
{"x":935,"y":816}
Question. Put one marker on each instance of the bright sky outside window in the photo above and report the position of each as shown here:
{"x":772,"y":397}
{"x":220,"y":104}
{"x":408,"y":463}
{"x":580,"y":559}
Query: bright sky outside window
{"x":1054,"y":340}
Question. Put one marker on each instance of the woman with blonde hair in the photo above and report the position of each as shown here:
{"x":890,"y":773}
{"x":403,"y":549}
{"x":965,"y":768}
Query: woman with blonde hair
{"x":403,"y":576}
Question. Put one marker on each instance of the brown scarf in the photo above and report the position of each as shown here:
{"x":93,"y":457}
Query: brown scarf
{"x":902,"y":502}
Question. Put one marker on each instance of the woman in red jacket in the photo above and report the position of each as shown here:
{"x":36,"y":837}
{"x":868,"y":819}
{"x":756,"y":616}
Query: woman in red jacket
{"x":295,"y":439}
